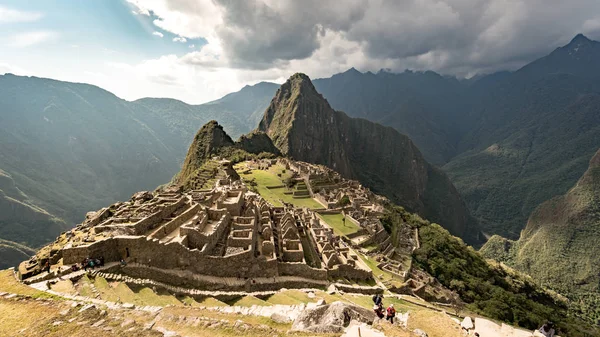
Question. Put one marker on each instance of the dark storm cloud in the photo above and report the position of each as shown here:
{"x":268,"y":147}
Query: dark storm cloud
{"x":259,"y":34}
{"x":447,"y":35}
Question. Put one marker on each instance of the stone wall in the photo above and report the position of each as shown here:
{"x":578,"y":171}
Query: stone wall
{"x":106,"y":248}
{"x":146,"y":224}
{"x":173,"y":255}
{"x":170,"y":226}
{"x":206,"y":242}
{"x":302,"y":270}
{"x":350,"y":272}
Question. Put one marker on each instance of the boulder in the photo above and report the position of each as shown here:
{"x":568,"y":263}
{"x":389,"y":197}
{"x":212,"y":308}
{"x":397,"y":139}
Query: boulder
{"x":467,"y":323}
{"x":331,"y":318}
{"x":279,"y":318}
{"x":420,"y":333}
{"x":142,"y":196}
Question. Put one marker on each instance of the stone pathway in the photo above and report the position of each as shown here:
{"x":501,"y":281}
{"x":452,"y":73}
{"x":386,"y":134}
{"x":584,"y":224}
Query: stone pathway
{"x":356,"y":329}
{"x":290,"y":312}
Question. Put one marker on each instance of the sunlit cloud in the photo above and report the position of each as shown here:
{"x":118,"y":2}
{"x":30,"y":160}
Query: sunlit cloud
{"x":8,"y":15}
{"x":28,"y":39}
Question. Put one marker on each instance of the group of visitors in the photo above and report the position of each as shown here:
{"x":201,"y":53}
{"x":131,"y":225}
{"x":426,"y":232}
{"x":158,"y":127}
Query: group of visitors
{"x":90,"y":263}
{"x":390,"y":312}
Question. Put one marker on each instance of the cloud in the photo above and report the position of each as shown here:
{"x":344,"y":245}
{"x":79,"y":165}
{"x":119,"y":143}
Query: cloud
{"x":8,"y":15}
{"x":159,"y":34}
{"x":28,"y":39}
{"x":9,"y":68}
{"x":179,"y":39}
{"x":449,"y":36}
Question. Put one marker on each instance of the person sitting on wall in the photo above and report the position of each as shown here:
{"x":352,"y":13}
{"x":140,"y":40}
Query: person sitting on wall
{"x":391,"y":313}
{"x":547,"y":329}
{"x":123,"y":262}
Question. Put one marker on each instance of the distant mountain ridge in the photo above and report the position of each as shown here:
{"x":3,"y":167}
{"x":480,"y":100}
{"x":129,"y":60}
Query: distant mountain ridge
{"x":68,"y":148}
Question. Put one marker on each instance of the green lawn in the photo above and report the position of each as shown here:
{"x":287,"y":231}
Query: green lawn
{"x":248,"y":301}
{"x":290,"y":297}
{"x":274,"y":195}
{"x":339,"y":227}
{"x":381,"y":275}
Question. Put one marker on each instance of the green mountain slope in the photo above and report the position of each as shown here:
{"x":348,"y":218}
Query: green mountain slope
{"x":68,"y":148}
{"x":425,"y":106}
{"x":534,"y":133}
{"x":559,"y":246}
{"x":303,"y":126}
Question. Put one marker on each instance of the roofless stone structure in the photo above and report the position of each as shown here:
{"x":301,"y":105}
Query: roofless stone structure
{"x":205,"y":238}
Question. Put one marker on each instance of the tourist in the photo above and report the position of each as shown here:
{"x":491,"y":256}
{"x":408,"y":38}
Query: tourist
{"x":547,"y":329}
{"x":476,"y":334}
{"x":47,"y":267}
{"x":391,"y":313}
{"x":378,"y":299}
{"x":378,"y":309}
{"x":123,"y":263}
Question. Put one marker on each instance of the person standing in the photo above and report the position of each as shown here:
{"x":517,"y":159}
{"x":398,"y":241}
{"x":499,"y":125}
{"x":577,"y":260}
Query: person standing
{"x":391,"y":313}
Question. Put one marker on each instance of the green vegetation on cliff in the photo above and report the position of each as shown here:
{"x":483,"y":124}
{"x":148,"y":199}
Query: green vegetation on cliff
{"x":559,"y":247}
{"x":488,"y":288}
{"x":210,"y":141}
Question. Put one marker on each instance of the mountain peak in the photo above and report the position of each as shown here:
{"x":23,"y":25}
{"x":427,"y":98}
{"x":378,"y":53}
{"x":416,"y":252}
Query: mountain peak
{"x":299,"y":81}
{"x":579,"y":38}
{"x":352,"y":71}
{"x":208,"y":141}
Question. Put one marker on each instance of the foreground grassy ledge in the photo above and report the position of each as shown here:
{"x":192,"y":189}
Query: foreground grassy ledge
{"x":42,"y":314}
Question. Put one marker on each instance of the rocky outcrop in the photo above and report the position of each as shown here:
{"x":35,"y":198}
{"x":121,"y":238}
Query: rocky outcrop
{"x":257,"y":142}
{"x":211,"y":140}
{"x":331,"y":318}
{"x":303,"y":126}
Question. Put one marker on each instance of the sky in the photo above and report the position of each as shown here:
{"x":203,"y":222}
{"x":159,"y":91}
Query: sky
{"x":200,"y":50}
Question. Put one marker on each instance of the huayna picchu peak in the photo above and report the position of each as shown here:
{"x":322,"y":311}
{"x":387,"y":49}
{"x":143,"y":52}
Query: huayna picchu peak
{"x":304,"y":127}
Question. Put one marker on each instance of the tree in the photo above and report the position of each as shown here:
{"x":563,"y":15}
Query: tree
{"x":344,"y":201}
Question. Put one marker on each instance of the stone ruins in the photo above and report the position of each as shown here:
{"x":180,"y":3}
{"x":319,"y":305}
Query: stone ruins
{"x":228,"y":238}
